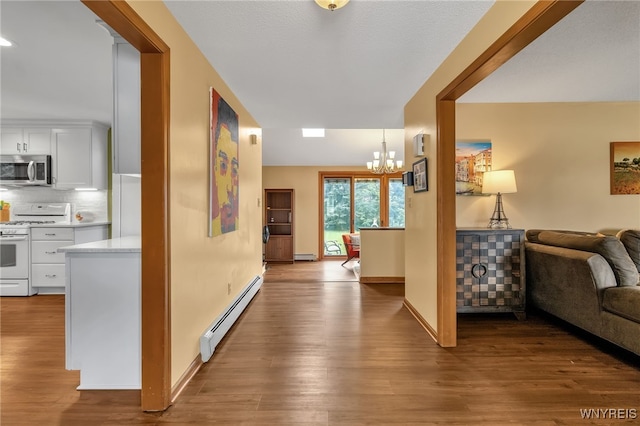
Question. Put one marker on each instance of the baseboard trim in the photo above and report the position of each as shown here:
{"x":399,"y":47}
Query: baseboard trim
{"x":421,"y":320}
{"x":382,"y":280}
{"x":186,"y":377}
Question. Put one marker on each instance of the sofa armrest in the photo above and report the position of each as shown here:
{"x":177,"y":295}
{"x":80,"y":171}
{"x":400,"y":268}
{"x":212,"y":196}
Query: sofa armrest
{"x":568,"y":283}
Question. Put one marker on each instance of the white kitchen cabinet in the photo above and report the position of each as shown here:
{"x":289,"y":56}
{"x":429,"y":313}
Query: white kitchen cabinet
{"x":47,"y":264}
{"x":21,"y":140}
{"x":126,"y":109}
{"x":79,"y":156}
{"x":103,"y":329}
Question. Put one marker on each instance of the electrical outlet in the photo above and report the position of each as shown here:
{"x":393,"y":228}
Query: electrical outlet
{"x":228,"y":288}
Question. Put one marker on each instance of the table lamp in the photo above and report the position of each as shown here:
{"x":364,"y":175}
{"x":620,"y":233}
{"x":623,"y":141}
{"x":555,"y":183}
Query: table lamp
{"x":499,"y":182}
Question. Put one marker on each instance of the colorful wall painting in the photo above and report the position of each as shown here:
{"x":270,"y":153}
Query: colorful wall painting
{"x":223,"y":166}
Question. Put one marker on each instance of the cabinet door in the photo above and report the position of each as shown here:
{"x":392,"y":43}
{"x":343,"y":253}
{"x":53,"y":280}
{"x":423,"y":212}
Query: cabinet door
{"x":72,"y":158}
{"x":11,"y":141}
{"x":279,"y":248}
{"x":37,"y":140}
{"x":468,"y":270}
{"x":126,"y":120}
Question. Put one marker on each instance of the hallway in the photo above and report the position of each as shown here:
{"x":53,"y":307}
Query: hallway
{"x":315,"y":347}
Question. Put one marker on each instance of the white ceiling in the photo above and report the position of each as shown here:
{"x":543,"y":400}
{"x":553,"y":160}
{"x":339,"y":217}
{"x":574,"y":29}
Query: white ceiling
{"x":293,"y":64}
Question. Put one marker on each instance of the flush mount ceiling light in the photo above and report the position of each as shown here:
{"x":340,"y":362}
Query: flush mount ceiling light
{"x":5,"y":42}
{"x":313,"y":133}
{"x":331,"y":4}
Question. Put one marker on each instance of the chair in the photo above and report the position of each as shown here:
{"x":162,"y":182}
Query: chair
{"x":332,"y":247}
{"x":352,"y":245}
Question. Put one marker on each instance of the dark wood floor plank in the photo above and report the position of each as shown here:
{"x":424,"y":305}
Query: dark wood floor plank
{"x":316,"y":347}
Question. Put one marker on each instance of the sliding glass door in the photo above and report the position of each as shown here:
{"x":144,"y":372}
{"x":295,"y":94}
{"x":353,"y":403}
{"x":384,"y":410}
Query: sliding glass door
{"x":351,"y":201}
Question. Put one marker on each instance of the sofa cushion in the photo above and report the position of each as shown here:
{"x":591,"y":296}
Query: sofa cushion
{"x":623,"y":301}
{"x":608,"y":247}
{"x":631,"y":240}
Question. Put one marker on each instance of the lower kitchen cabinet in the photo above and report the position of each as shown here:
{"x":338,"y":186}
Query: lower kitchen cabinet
{"x":47,"y":264}
{"x":102,"y":313}
{"x":490,"y":271}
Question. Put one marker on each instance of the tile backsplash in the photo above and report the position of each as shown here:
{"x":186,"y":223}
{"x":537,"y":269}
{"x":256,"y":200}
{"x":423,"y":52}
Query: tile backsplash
{"x":95,"y":202}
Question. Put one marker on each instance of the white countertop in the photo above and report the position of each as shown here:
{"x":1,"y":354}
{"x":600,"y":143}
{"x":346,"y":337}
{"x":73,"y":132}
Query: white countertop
{"x":68,"y":225}
{"x":115,"y":245}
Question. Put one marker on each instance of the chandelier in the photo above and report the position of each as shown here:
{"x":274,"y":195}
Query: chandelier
{"x":383,"y":161}
{"x":331,"y":4}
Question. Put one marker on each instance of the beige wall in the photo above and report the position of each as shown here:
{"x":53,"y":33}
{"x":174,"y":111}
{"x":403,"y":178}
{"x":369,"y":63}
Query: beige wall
{"x":560,"y":155}
{"x":305,"y":182}
{"x":382,"y":253}
{"x":420,"y":117}
{"x":202,"y":267}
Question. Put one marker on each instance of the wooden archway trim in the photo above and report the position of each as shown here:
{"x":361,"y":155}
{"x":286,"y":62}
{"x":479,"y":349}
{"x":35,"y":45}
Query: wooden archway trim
{"x":542,"y":16}
{"x":154,"y":104}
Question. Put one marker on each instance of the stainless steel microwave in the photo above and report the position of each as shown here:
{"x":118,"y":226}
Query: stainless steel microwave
{"x":25,"y":169}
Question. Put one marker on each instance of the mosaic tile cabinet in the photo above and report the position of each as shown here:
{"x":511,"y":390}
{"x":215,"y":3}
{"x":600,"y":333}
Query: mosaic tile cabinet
{"x":490,"y":271}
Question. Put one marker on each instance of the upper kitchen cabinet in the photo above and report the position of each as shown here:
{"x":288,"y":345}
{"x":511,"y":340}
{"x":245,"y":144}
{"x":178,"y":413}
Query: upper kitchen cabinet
{"x":126,"y":108}
{"x":23,"y":140}
{"x":79,"y":156}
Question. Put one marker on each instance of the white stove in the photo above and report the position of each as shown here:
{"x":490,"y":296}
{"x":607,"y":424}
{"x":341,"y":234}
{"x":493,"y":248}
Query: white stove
{"x":15,"y":243}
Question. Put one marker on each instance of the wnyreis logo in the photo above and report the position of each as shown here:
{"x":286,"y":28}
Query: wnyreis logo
{"x":608,"y":413}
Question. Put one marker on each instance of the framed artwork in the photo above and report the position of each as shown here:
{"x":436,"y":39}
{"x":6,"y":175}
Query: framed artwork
{"x":420,"y":172}
{"x":625,"y":168}
{"x":223,"y":166}
{"x":473,"y":158}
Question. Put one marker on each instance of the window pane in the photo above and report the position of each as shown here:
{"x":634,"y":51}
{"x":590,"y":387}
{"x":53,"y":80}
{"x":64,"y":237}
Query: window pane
{"x":337,"y":213}
{"x":367,"y":202}
{"x":396,"y":203}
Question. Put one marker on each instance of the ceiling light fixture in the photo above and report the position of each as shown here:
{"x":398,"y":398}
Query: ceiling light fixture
{"x":331,"y":4}
{"x":5,"y":42}
{"x":313,"y":133}
{"x":383,"y":161}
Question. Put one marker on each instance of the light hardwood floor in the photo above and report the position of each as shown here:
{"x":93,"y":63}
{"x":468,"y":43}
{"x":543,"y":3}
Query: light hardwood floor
{"x":317,"y":348}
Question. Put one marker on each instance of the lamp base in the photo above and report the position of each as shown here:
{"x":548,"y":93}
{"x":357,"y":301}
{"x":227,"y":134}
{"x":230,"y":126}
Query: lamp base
{"x":499,"y":220}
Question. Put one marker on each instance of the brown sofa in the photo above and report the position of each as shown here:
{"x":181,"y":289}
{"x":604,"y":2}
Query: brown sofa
{"x":588,"y":280}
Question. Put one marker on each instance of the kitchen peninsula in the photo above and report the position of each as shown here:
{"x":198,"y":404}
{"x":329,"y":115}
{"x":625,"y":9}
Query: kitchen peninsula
{"x":382,"y":255}
{"x":102,"y":313}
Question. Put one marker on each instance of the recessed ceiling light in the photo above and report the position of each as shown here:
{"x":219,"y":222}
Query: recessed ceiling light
{"x":313,"y":133}
{"x":5,"y":42}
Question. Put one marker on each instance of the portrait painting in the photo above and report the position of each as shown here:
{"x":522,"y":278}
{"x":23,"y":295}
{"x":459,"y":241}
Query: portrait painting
{"x":223,"y":166}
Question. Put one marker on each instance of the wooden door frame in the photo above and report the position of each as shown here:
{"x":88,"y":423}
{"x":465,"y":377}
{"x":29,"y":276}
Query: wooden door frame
{"x":384,"y":208}
{"x":542,"y":16}
{"x":155,"y":286}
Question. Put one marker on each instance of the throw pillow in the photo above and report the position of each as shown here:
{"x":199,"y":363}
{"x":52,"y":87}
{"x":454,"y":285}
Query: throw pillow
{"x":608,"y":247}
{"x":631,"y":240}
{"x":532,"y":234}
{"x":355,"y":240}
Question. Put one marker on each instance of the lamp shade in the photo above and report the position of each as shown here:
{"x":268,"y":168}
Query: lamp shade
{"x":499,"y":181}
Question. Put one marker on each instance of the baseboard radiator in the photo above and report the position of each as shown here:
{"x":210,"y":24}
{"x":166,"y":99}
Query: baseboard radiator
{"x":305,"y":256}
{"x":217,"y":330}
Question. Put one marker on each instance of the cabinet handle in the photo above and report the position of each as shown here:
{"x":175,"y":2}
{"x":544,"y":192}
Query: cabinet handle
{"x":24,"y":147}
{"x":50,"y":252}
{"x":478,"y":270}
{"x":18,"y":147}
{"x":50,"y":275}
{"x":50,"y":235}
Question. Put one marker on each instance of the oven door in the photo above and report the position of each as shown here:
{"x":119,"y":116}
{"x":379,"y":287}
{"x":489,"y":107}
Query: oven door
{"x":14,"y":256}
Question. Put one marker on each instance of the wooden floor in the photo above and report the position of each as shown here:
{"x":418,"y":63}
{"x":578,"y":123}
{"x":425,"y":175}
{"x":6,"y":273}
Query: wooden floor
{"x":317,"y":348}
